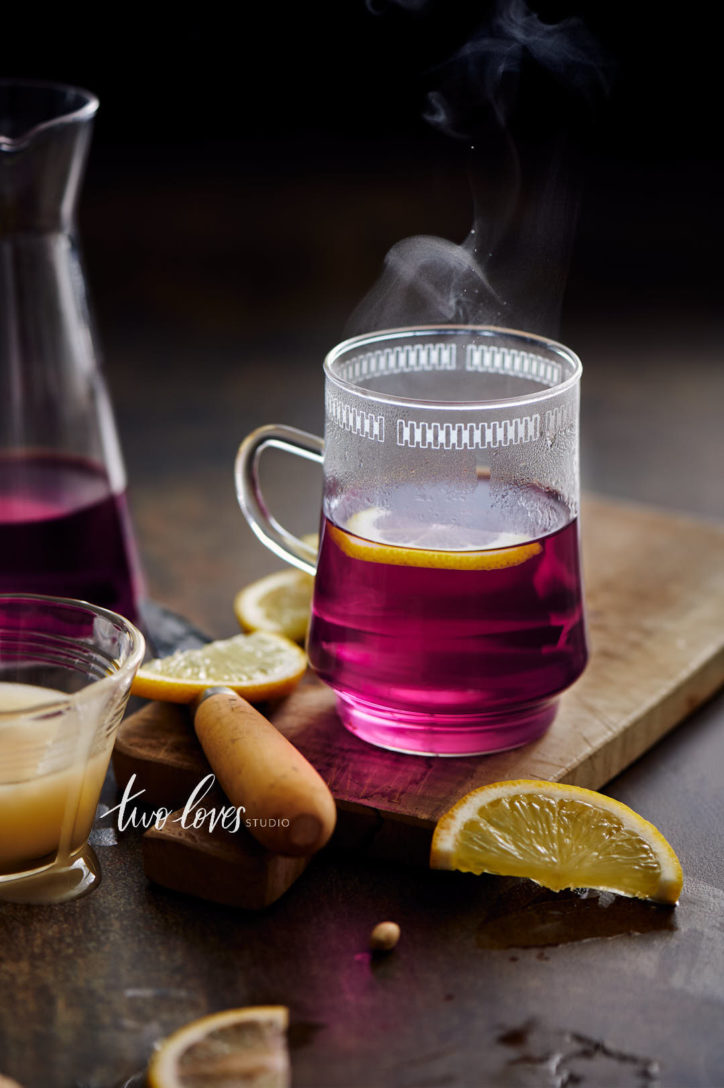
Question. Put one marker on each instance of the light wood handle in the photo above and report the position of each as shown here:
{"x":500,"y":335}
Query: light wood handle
{"x":288,"y":806}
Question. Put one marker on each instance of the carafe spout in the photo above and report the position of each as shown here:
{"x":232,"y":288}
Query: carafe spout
{"x":45,"y":130}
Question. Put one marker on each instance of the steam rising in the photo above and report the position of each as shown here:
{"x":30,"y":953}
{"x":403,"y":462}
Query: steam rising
{"x":510,"y":91}
{"x":484,"y":74}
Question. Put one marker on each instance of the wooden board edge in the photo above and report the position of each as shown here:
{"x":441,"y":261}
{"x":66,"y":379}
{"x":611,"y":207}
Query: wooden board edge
{"x":646,"y":728}
{"x":404,"y":837}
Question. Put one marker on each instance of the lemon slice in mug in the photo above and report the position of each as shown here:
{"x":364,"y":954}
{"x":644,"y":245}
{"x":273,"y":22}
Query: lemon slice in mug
{"x":559,"y":836}
{"x":380,"y":536}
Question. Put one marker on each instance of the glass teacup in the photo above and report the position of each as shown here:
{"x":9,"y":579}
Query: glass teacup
{"x":447,"y":612}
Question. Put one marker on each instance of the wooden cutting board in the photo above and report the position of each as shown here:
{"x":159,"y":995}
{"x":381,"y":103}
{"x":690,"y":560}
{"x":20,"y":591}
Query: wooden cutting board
{"x":655,"y":605}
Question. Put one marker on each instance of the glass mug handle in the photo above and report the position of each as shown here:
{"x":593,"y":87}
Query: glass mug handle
{"x":248,"y":490}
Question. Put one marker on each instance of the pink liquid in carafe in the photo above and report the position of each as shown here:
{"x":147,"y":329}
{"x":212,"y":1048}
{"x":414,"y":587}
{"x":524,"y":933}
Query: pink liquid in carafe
{"x":64,"y":532}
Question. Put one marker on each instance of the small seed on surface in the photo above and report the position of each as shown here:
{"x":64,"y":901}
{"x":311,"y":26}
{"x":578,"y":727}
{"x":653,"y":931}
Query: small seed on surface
{"x":384,"y":936}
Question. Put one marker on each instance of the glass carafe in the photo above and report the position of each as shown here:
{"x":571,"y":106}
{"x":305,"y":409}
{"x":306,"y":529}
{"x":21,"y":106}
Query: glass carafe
{"x":64,"y":524}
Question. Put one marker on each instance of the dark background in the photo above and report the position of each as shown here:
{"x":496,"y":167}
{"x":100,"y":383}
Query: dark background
{"x":275,"y":149}
{"x":250,"y":169}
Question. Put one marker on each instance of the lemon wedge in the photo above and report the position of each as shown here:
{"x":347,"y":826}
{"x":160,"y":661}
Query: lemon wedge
{"x":280,"y":603}
{"x":258,"y":666}
{"x":559,"y":836}
{"x":245,"y":1047}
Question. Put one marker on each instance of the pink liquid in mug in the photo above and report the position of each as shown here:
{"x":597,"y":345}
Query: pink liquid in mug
{"x":442,"y":659}
{"x":63,"y":532}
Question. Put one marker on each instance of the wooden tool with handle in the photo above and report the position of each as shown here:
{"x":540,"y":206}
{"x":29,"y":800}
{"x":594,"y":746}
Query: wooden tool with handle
{"x":288,"y":806}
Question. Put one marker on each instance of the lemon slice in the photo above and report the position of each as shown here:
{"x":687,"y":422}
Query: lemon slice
{"x":280,"y":603}
{"x":258,"y":666}
{"x":379,"y":536}
{"x":559,"y":836}
{"x":242,"y":1047}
